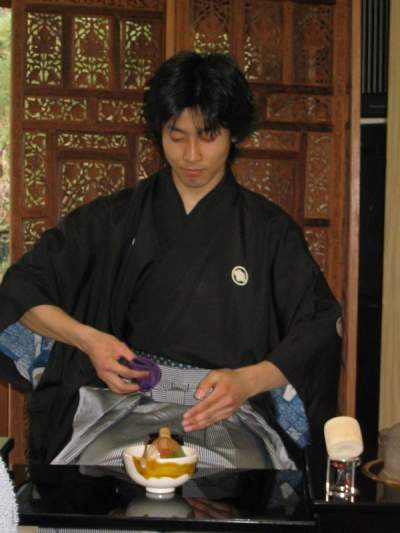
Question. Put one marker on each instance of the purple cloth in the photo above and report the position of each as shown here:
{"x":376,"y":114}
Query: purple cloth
{"x":143,"y":363}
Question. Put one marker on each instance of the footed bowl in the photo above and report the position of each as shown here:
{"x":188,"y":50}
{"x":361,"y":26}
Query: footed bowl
{"x":159,"y":476}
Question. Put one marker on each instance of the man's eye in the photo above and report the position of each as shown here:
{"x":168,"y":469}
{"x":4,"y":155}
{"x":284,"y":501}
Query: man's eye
{"x":176,"y":138}
{"x":208,"y":136}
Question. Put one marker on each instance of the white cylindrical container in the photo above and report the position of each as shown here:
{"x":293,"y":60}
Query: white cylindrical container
{"x":343,"y":438}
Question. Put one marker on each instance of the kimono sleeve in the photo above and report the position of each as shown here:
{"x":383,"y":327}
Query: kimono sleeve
{"x":307,"y":312}
{"x":54,"y":269}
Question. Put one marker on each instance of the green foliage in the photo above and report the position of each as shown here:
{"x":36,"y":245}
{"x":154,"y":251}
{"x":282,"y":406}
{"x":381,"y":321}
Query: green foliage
{"x":5,"y":75}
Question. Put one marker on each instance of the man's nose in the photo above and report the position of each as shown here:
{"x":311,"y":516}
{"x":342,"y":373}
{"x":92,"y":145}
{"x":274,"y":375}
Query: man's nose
{"x":192,"y":150}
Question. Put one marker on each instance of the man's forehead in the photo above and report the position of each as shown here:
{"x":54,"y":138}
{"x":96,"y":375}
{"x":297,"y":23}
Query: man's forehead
{"x":188,"y":118}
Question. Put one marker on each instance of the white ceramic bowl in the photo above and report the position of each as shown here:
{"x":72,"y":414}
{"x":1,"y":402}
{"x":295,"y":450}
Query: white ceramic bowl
{"x":158,"y":485}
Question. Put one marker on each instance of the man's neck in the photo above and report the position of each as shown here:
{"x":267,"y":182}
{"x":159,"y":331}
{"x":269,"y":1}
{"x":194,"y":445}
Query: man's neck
{"x":190,"y":197}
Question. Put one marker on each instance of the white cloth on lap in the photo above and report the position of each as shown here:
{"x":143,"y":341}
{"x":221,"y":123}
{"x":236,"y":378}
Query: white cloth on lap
{"x":8,"y":504}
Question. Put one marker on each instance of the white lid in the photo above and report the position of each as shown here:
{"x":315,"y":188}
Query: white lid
{"x":343,"y":438}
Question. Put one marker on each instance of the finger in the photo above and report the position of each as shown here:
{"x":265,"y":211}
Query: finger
{"x":206,"y":385}
{"x":124,"y":371}
{"x":214,"y":400}
{"x":205,"y":420}
{"x":118,"y":385}
{"x":128,"y":373}
{"x":124,"y":351}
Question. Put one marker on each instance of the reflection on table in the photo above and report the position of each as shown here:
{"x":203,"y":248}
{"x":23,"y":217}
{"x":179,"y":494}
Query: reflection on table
{"x":79,"y":495}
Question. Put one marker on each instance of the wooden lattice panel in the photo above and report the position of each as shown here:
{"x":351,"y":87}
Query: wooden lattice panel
{"x":273,"y":178}
{"x":140,"y":48}
{"x":313,"y":42}
{"x":263,"y":41}
{"x":268,"y":139}
{"x":81,"y":75}
{"x":304,"y":108}
{"x":318,"y":175}
{"x":211,"y":25}
{"x":148,"y":160}
{"x":91,"y":61}
{"x":35,"y":179}
{"x":145,"y":5}
{"x":317,"y":240}
{"x":32,"y":230}
{"x":92,"y":141}
{"x":44,"y":49}
{"x":83,"y":181}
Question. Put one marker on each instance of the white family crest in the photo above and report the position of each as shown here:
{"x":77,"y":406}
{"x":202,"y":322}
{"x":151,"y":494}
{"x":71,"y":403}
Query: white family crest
{"x":240,"y":275}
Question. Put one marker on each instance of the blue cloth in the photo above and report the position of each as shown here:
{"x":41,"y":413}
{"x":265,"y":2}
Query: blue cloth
{"x":30,"y":352}
{"x":291,"y":415}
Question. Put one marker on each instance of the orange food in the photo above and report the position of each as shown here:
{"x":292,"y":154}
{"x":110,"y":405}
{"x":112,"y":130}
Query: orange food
{"x":164,"y":446}
{"x":152,"y":468}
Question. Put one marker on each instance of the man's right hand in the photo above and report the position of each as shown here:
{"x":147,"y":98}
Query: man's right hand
{"x":104,"y":350}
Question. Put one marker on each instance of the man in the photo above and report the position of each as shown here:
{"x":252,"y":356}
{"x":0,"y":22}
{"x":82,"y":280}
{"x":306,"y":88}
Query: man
{"x":188,"y":266}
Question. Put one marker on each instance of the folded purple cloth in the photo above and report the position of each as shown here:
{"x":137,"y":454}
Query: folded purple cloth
{"x":143,"y":363}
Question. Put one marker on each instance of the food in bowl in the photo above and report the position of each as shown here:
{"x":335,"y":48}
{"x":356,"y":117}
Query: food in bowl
{"x":164,"y":446}
{"x":156,"y":468}
{"x":159,"y":475}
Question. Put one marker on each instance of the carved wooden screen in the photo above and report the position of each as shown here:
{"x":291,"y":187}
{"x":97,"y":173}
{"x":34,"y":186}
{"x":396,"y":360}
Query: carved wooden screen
{"x":295,"y":55}
{"x":78,"y":124}
{"x":80,"y":67}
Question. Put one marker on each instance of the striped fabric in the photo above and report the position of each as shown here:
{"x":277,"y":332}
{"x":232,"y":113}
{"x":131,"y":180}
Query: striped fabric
{"x":105,"y":423}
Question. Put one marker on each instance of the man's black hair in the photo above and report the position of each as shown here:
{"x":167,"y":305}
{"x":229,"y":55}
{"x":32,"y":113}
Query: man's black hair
{"x":210,"y":83}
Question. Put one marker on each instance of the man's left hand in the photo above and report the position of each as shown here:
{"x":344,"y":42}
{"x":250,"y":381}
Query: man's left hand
{"x":221,"y":392}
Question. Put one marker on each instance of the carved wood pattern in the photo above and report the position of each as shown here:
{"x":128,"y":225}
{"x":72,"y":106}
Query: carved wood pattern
{"x":91,"y":59}
{"x":275,"y":179}
{"x":35,"y":147}
{"x":92,"y":141}
{"x":318,"y":175}
{"x":211,"y":21}
{"x":82,"y":181}
{"x":313,"y":44}
{"x":148,"y":160}
{"x":32,"y":229}
{"x":263,"y":49}
{"x":148,"y":5}
{"x":267,"y":139}
{"x":91,"y":106}
{"x":120,"y":112}
{"x":41,"y":108}
{"x":44,"y":49}
{"x":299,"y":108}
{"x":141,"y":51}
{"x":317,"y":240}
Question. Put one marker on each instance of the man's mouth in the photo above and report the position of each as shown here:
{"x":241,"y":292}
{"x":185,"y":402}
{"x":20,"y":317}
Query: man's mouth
{"x":193,"y":171}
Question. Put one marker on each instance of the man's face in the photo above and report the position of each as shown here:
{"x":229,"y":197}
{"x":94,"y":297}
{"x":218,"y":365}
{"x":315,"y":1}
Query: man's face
{"x":197,"y":158}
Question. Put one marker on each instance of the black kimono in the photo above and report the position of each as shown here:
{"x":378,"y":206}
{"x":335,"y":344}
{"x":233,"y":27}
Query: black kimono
{"x":229,"y":285}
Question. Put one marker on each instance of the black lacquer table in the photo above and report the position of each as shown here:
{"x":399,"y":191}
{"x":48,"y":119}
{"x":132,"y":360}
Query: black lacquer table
{"x":94,"y":498}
